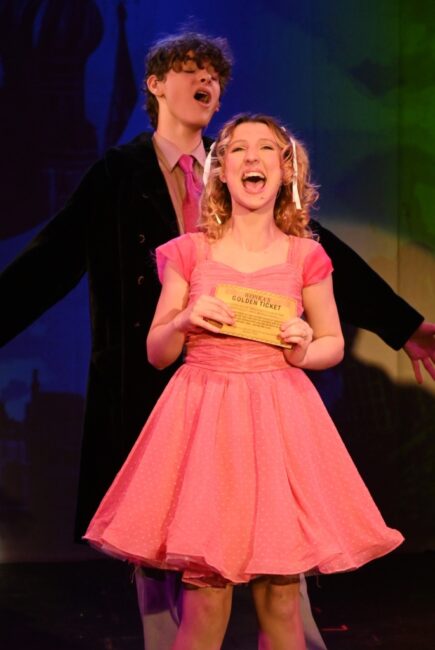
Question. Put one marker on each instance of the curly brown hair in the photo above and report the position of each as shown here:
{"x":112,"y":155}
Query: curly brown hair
{"x":171,"y":52}
{"x":216,"y":199}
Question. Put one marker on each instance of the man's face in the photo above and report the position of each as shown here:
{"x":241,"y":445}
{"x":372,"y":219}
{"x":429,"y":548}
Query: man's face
{"x":188,"y":96}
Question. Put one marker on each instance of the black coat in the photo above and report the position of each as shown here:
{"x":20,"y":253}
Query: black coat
{"x":109,"y":229}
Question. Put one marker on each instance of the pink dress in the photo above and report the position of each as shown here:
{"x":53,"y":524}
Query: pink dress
{"x":239,"y":470}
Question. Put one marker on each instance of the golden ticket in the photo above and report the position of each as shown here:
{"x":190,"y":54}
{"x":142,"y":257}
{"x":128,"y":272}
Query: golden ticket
{"x":258,"y":314}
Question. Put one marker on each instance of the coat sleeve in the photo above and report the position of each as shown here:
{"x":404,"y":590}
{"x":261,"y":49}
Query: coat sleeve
{"x":363,"y":298}
{"x":51,"y":265}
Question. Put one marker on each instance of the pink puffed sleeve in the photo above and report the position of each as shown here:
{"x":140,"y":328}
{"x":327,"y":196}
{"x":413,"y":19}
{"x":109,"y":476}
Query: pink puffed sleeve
{"x":317,"y":264}
{"x":181,"y":252}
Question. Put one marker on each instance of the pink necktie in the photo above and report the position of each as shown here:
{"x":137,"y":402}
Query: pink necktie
{"x":193,"y":192}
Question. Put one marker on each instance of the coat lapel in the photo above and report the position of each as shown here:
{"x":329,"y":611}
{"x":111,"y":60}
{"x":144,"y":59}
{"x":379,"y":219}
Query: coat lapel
{"x":152,"y":211}
{"x":151,"y":197}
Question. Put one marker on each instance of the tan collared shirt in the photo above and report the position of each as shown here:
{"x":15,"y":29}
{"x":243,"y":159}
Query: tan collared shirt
{"x":168,"y":155}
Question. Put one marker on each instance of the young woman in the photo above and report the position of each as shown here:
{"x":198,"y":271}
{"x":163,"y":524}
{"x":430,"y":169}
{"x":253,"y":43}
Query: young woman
{"x":239,"y":474}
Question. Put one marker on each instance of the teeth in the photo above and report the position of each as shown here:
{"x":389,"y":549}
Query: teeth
{"x":258,"y":176}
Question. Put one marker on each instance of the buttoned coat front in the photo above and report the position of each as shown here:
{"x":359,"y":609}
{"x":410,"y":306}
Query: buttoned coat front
{"x":109,"y":229}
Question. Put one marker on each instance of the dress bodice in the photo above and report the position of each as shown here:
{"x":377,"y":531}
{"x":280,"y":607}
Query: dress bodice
{"x":230,"y":353}
{"x":191,"y":254}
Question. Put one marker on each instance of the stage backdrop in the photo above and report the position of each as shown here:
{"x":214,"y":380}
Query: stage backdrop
{"x":354,"y":79}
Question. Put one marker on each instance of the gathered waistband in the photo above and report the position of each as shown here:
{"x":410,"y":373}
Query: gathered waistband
{"x":242,"y":363}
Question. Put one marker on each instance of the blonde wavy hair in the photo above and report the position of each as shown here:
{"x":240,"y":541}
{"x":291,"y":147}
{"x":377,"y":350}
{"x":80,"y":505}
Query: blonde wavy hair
{"x":216,"y":199}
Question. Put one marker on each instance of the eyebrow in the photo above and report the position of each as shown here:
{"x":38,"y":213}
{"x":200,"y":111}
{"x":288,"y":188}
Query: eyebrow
{"x":260,"y":141}
{"x":200,"y":63}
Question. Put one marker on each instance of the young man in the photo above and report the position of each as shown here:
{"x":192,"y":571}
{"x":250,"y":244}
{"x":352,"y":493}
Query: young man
{"x":129,"y":203}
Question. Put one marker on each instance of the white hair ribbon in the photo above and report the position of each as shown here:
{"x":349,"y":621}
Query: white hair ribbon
{"x":207,"y":165}
{"x":295,"y":190}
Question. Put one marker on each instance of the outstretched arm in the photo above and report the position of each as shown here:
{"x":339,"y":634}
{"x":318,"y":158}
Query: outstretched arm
{"x":420,"y":348}
{"x":50,"y":266}
{"x":363,"y":298}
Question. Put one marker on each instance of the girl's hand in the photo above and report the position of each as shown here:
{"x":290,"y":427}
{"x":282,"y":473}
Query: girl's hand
{"x":299,"y":335}
{"x":200,"y":312}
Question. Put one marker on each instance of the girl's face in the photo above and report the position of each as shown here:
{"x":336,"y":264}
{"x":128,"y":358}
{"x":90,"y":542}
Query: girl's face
{"x":252,"y":167}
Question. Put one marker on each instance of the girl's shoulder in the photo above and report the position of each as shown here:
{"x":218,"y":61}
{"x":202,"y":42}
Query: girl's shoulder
{"x":304,"y":245}
{"x":183,"y":252}
{"x":310,"y":256}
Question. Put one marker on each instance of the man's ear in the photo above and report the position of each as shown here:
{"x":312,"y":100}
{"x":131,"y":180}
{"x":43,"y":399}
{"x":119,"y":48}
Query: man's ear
{"x":155,"y":85}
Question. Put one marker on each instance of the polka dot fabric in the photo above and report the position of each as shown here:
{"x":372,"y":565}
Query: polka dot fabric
{"x":239,"y":471}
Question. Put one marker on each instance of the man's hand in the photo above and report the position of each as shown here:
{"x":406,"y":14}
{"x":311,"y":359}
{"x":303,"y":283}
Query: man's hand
{"x":420,"y":348}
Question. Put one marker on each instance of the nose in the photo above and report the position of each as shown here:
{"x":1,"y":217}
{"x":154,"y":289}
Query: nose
{"x":251,"y":156}
{"x":205,"y":77}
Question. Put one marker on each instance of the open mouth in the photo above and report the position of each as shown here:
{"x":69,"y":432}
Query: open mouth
{"x":203,"y":97}
{"x":253,"y":181}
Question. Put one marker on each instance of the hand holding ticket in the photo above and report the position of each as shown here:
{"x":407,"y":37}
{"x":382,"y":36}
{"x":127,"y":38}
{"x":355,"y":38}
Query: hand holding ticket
{"x":258,"y":314}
